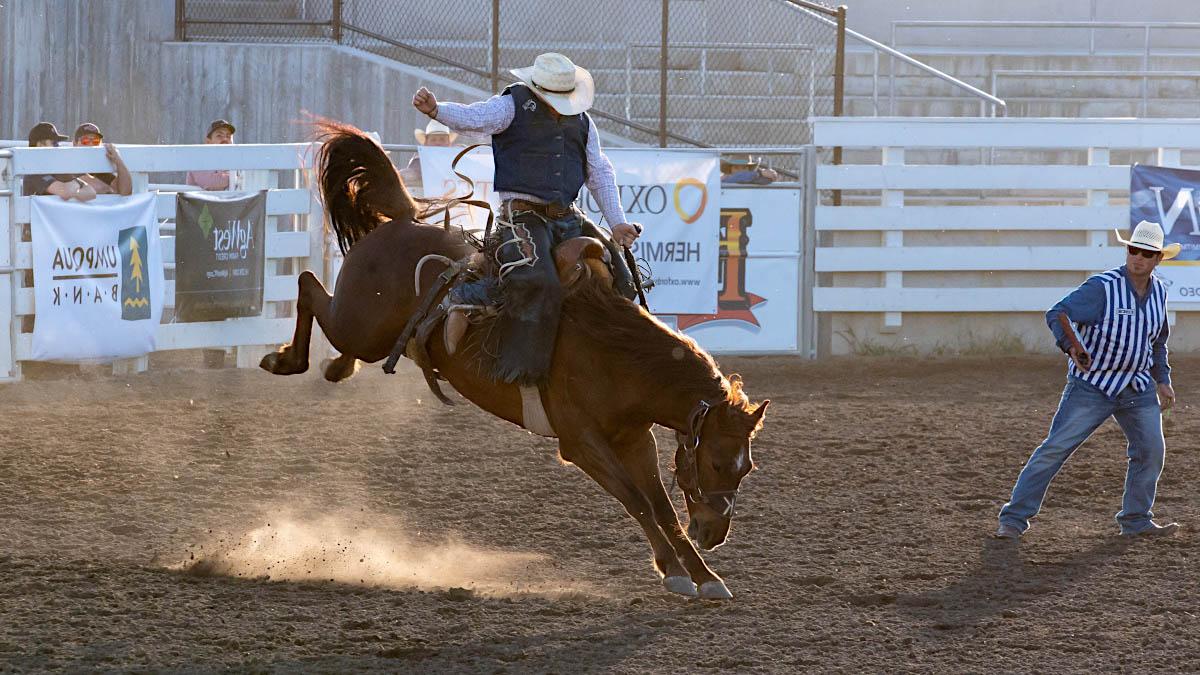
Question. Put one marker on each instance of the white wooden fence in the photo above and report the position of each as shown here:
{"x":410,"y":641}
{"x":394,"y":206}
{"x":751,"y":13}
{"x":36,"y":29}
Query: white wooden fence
{"x":977,"y":238}
{"x":294,"y":239}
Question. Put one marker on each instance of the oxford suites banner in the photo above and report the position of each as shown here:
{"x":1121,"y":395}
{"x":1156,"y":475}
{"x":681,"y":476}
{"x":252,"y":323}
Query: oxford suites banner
{"x":97,"y":277}
{"x":675,"y":194}
{"x":219,"y":255}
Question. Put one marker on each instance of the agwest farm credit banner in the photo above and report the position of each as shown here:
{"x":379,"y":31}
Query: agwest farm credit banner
{"x":219,"y":255}
{"x":97,"y":277}
{"x":673,"y":193}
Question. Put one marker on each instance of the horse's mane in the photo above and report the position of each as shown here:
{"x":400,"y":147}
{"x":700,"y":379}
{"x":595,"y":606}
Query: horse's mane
{"x":618,"y":326}
{"x":361,"y":188}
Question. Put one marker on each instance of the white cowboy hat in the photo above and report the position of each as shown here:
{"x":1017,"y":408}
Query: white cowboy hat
{"x":563,"y":85}
{"x":1149,"y":236}
{"x":434,"y":127}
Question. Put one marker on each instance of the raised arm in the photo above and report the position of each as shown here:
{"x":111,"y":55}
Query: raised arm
{"x":484,"y":117}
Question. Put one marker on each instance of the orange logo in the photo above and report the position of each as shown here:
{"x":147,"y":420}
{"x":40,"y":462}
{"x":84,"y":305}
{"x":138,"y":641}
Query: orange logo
{"x":690,"y":218}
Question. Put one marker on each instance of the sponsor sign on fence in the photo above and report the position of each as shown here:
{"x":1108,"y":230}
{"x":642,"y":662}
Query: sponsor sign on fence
{"x":98,"y":277}
{"x":219,"y":255}
{"x":674,"y":194}
{"x":1165,"y":196}
{"x":758,"y":275}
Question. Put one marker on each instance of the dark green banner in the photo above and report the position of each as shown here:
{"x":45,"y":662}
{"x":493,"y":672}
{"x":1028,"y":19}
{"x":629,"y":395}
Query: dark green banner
{"x":219,"y":249}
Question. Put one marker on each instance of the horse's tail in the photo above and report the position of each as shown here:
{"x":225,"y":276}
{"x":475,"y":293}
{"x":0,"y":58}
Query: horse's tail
{"x":359,"y":186}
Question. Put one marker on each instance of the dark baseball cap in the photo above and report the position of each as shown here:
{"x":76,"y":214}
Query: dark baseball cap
{"x":44,"y":131}
{"x":87,"y":128}
{"x":220,"y":124}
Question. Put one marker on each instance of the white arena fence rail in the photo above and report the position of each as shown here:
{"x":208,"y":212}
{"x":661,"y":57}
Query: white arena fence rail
{"x":937,"y":239}
{"x":294,"y":240}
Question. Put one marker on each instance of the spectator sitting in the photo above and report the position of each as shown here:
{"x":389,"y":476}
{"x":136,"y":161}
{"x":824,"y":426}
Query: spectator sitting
{"x":88,"y":135}
{"x":435,"y":135}
{"x":746,"y":171}
{"x":220,"y":132}
{"x":66,"y":186}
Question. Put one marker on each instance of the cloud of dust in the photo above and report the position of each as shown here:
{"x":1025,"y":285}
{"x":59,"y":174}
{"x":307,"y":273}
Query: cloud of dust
{"x":334,"y":549}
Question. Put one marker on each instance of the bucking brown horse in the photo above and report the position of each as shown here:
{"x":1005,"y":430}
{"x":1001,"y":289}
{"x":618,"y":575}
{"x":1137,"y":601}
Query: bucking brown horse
{"x":616,"y":370}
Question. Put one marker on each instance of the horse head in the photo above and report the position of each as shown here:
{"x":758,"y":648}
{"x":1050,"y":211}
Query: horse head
{"x":712,"y":459}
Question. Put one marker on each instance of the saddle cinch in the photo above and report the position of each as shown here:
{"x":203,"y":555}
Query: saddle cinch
{"x":575,"y":260}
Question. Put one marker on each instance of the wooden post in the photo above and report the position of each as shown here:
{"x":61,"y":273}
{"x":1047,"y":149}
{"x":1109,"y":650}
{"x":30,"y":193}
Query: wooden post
{"x":662,"y":76}
{"x":180,"y":21}
{"x":839,"y":86}
{"x":335,"y":21}
{"x":495,"y":46}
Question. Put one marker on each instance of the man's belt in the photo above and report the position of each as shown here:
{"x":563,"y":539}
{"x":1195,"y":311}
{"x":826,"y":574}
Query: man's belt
{"x":552,"y":211}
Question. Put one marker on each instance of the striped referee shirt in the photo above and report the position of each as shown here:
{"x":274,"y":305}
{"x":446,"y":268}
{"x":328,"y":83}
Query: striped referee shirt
{"x":1125,"y":334}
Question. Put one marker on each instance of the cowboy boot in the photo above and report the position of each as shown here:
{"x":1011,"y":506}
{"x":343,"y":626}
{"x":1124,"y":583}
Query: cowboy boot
{"x":454,"y":328}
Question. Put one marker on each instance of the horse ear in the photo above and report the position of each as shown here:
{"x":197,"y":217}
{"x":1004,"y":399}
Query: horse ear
{"x":756,"y":417}
{"x":761,"y":410}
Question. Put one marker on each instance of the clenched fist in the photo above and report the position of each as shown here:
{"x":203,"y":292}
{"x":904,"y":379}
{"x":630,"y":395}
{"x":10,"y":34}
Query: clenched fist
{"x":424,"y":101}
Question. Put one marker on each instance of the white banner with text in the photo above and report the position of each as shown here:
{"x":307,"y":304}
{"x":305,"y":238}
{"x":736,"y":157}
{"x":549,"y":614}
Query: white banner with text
{"x":758,"y":275}
{"x":97,"y":277}
{"x":674,"y":194}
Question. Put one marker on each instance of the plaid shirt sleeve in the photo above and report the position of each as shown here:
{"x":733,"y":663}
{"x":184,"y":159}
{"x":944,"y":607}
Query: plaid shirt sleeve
{"x":602,"y":179}
{"x":484,"y":117}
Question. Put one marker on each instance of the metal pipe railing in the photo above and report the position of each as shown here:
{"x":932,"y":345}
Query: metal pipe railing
{"x":1144,"y":75}
{"x":896,"y":54}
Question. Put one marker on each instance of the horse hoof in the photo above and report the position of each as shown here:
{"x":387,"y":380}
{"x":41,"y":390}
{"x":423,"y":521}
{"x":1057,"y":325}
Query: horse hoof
{"x":715,"y":590}
{"x":680,"y":585}
{"x":269,"y":362}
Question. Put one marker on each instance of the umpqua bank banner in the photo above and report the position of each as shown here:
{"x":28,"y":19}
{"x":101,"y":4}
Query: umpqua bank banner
{"x":1167,"y":196}
{"x":673,"y":193}
{"x":97,"y":277}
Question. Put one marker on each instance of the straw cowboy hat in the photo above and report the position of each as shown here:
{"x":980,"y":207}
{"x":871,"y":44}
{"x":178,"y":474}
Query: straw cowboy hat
{"x":1149,"y":236}
{"x":563,"y":85}
{"x":434,"y":127}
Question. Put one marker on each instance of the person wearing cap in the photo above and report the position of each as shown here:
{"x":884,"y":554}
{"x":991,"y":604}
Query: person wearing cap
{"x":220,"y":132}
{"x":434,"y":135}
{"x":545,"y":147}
{"x":64,"y":186}
{"x":121,"y":183}
{"x":746,"y":171}
{"x":1117,"y":368}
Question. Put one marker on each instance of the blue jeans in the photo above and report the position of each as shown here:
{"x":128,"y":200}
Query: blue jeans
{"x":1082,"y":409}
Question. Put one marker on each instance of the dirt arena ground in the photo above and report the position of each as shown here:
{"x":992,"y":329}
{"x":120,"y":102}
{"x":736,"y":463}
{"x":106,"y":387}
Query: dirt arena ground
{"x":361,"y":527}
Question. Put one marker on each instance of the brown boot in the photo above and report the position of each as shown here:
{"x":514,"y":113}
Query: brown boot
{"x":454,"y":328}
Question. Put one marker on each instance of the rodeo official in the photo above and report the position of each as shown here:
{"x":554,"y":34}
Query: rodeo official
{"x":1117,"y":368}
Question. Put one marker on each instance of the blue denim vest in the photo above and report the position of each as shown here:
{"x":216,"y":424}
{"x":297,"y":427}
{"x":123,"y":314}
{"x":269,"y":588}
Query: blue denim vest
{"x":538,"y":155}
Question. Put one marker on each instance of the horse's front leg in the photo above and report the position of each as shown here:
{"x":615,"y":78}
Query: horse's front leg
{"x":641,"y":460}
{"x":311,"y":300}
{"x":596,"y":458}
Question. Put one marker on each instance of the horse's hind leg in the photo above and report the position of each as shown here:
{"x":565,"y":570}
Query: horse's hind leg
{"x":311,"y":300}
{"x":340,"y":368}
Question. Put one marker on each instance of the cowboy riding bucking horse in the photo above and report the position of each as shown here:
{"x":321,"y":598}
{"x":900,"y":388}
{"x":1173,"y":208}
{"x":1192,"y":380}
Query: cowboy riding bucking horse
{"x":545,"y":148}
